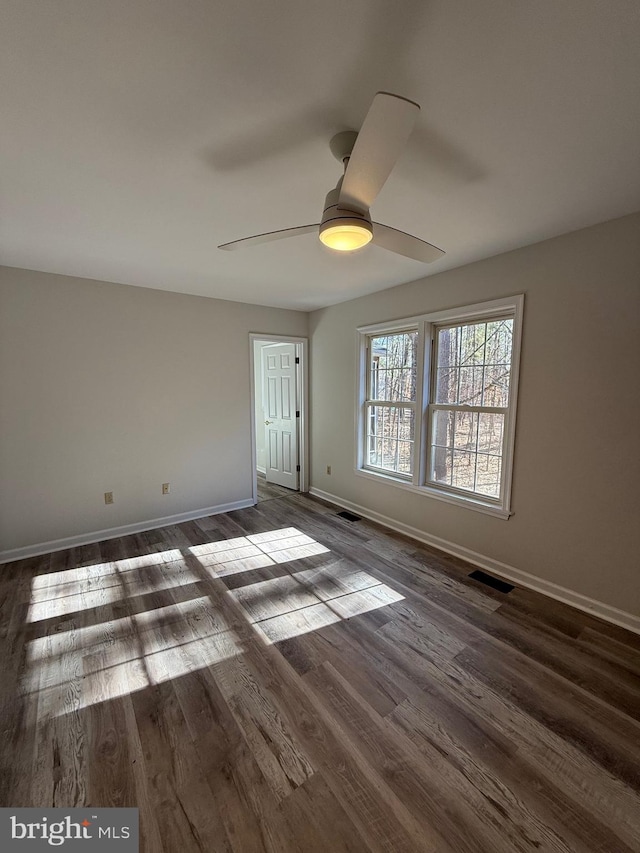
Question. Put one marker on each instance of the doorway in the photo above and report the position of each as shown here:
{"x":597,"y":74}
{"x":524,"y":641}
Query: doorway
{"x":279,"y":415}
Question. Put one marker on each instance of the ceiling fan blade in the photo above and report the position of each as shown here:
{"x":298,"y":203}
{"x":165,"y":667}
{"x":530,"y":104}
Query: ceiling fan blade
{"x":383,"y":135}
{"x":405,"y":244}
{"x":268,"y":237}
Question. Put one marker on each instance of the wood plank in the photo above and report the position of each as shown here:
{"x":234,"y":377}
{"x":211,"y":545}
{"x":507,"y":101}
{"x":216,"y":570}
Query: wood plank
{"x":431,"y":795}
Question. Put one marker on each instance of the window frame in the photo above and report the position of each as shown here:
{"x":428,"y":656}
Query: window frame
{"x":427,"y":325}
{"x":371,"y":401}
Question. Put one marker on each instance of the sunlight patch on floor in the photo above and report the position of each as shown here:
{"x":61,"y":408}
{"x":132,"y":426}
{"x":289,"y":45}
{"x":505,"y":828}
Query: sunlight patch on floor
{"x":286,"y":607}
{"x":76,"y":663}
{"x":78,"y":667}
{"x":257,"y":551}
{"x":83,"y":588}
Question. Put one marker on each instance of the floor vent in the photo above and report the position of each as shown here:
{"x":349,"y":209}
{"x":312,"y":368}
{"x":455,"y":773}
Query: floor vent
{"x":349,"y":516}
{"x":494,"y":583}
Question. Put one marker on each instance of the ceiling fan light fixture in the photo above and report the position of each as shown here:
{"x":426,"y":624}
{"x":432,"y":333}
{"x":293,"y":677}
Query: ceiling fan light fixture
{"x":346,"y":235}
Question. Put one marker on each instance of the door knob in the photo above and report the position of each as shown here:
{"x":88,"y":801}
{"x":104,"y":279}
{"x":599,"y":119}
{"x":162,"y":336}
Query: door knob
{"x":268,"y":422}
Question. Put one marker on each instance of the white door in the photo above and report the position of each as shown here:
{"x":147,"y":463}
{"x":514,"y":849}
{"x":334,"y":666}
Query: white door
{"x":279,"y":406}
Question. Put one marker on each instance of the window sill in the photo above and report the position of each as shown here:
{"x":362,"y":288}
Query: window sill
{"x":436,"y":494}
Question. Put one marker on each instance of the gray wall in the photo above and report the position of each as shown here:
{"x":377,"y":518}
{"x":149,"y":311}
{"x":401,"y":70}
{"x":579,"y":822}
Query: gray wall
{"x":576,"y":474}
{"x":105,"y":387}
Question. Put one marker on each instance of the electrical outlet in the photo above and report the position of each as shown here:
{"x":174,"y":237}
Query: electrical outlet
{"x":328,"y":469}
{"x":108,"y":497}
{"x":165,"y":488}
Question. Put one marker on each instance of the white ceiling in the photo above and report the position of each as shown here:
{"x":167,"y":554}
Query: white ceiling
{"x":138,"y":134}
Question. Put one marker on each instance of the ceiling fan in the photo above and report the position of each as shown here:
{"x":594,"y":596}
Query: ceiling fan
{"x":368,"y":158}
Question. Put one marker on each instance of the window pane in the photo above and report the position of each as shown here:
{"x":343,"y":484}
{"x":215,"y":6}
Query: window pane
{"x":388,"y":453}
{"x":447,"y":363}
{"x":474,"y":363}
{"x":390,"y":433}
{"x":457,"y":430}
{"x":441,"y":465}
{"x":447,"y":385}
{"x":488,"y":475}
{"x":496,"y":385}
{"x":442,"y":431}
{"x":405,"y":457}
{"x":467,"y":450}
{"x":478,"y":473}
{"x":472,"y":342}
{"x":393,"y":367}
{"x":466,"y":431}
{"x":499,"y":342}
{"x":490,"y":433}
{"x":464,"y":470}
{"x":470,"y":387}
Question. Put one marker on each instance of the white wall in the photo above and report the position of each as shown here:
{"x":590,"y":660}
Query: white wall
{"x":105,"y":387}
{"x":576,"y":474}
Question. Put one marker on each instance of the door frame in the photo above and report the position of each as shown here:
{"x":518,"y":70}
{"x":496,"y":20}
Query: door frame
{"x":302,"y":402}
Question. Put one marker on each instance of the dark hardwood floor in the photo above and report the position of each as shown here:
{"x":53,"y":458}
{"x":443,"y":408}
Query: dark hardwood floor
{"x":280,"y":679}
{"x":268,"y":491}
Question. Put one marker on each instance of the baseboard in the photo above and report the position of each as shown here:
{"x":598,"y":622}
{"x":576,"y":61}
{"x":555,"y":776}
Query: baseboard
{"x":114,"y":532}
{"x":503,"y":570}
{"x":261,"y":469}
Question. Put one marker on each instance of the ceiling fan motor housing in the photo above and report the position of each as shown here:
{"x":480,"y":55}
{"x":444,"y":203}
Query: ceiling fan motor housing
{"x":335,"y":215}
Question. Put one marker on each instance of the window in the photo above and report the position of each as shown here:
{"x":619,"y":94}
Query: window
{"x":391,"y":400}
{"x":437,"y":403}
{"x":470,"y":403}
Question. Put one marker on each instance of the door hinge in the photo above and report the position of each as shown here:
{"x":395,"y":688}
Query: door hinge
{"x":298,"y":413}
{"x":297,"y":359}
{"x":297,"y":467}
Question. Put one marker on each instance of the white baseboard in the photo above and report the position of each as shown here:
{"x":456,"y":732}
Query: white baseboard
{"x":114,"y":532}
{"x":503,"y":570}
